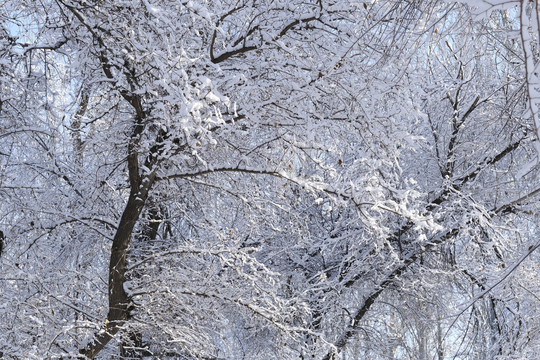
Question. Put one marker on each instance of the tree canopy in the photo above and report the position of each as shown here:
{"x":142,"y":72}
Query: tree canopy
{"x":269,"y":179}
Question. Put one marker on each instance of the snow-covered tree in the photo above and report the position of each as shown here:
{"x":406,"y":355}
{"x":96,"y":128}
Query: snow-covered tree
{"x":268,"y":179}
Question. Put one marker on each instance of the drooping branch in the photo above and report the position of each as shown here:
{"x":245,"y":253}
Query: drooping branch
{"x":407,"y":261}
{"x":366,"y":305}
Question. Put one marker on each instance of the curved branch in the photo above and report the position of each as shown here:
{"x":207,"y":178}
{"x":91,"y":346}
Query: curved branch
{"x":224,"y":169}
{"x":389,"y":280}
{"x":245,"y":48}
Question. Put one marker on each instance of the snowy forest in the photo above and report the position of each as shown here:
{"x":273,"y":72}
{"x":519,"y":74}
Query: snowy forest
{"x":269,"y":179}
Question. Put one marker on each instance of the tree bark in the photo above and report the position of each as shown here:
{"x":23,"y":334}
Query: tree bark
{"x":132,"y":346}
{"x":118,"y":298}
{"x":119,"y":301}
